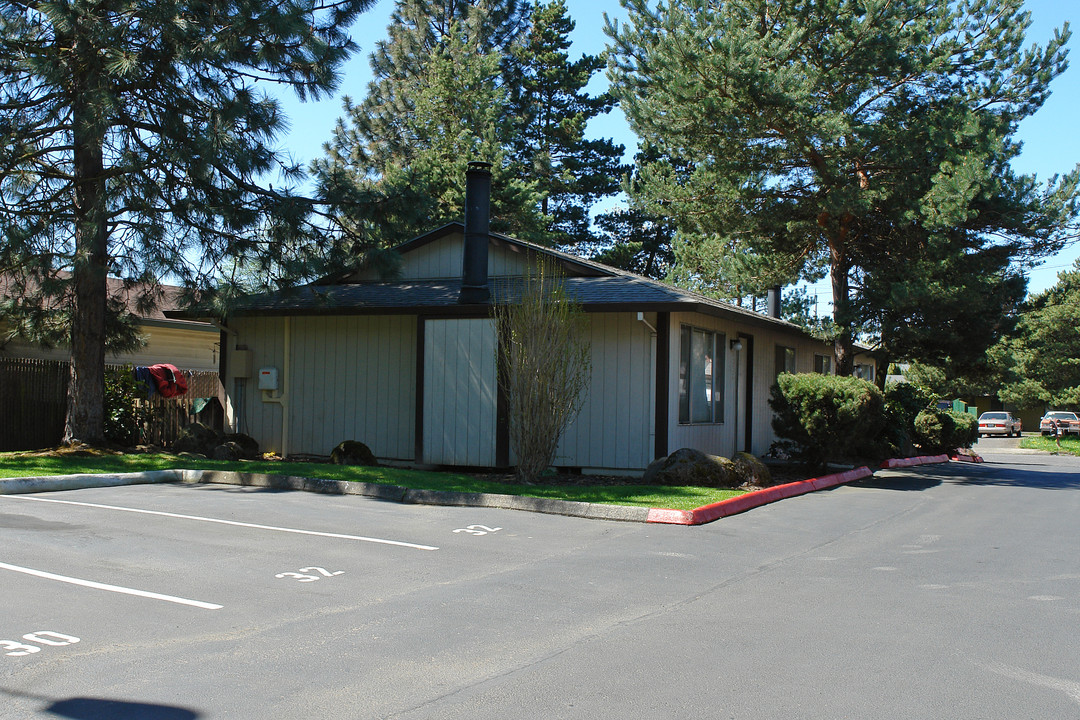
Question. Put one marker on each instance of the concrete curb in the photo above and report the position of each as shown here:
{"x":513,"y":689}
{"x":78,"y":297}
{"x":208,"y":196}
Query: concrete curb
{"x":396,"y":493}
{"x":51,"y":483}
{"x":757,"y":498}
{"x":392,"y":493}
{"x":966,"y":458}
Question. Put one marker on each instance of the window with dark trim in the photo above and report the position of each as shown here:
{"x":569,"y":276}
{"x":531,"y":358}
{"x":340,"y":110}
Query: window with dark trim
{"x":823,"y":364}
{"x":701,"y":375}
{"x":785,"y":360}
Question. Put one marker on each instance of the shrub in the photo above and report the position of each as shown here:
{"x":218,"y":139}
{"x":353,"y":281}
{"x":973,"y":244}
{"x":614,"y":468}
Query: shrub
{"x":546,"y":365}
{"x":827,"y":417}
{"x":940,"y":431}
{"x":123,"y":417}
{"x":903,"y":403}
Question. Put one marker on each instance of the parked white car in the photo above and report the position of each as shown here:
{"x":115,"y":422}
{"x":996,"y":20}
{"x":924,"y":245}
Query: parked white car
{"x":999,"y":423}
{"x":1067,"y":420}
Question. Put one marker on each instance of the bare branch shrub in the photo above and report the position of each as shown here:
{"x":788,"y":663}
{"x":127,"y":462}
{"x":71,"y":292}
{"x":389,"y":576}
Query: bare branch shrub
{"x":545,"y":364}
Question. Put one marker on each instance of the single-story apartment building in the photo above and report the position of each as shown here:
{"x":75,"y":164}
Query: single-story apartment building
{"x":409,"y":367}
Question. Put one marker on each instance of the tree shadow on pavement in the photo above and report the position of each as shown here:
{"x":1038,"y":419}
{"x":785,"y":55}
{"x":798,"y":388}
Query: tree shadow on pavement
{"x":98,"y":709}
{"x":1042,"y":472}
{"x":85,"y":708}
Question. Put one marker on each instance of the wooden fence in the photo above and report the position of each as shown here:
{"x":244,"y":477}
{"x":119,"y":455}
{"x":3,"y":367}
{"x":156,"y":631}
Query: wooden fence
{"x":33,"y":404}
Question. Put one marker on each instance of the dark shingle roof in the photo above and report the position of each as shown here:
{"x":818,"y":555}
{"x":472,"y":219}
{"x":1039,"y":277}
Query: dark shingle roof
{"x":598,"y":287}
{"x":613,"y":293}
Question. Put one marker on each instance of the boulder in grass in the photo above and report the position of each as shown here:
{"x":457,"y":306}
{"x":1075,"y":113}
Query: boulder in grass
{"x":353,"y":452}
{"x":751,"y":470}
{"x":227,"y":451}
{"x":247,"y":447}
{"x":687,"y":466}
{"x":196,"y":438}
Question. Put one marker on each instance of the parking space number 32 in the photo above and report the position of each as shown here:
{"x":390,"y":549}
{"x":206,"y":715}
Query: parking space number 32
{"x":478,"y":530}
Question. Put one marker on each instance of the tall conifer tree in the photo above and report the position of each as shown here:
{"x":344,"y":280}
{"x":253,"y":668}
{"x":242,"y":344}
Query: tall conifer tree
{"x":861,"y":136}
{"x":552,"y":111}
{"x":396,"y":163}
{"x":134,"y":140}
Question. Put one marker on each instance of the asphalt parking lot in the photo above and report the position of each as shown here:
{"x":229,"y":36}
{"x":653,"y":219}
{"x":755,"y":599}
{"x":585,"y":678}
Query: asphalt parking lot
{"x":235,"y":591}
{"x":923,"y":593}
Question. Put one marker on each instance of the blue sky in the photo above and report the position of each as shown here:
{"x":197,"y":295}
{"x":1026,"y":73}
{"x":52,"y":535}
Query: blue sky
{"x":1051,"y":137}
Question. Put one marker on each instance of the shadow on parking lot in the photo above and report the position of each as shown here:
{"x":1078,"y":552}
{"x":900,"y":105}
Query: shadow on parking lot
{"x":98,"y":709}
{"x":1047,"y":473}
{"x":911,"y":480}
{"x":83,"y":708}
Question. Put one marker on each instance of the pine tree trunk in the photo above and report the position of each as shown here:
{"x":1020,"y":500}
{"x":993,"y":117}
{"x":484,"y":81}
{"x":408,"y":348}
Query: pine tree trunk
{"x":844,"y":344}
{"x":86,"y":390}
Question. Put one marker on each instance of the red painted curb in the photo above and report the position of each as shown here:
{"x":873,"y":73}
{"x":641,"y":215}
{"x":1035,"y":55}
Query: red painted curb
{"x":757,"y":498}
{"x":966,"y":458}
{"x":912,"y":461}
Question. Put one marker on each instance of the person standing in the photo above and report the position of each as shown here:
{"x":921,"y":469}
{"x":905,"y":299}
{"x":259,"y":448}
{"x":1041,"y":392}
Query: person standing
{"x":1055,"y":429}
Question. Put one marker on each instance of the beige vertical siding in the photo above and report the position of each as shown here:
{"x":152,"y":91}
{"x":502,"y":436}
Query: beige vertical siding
{"x":614,"y":429}
{"x":460,"y":392}
{"x":350,"y":378}
{"x":442,"y":259}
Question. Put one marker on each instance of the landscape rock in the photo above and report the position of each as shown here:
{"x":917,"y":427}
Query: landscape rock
{"x":353,"y":452}
{"x":687,"y":466}
{"x":227,"y":451}
{"x":751,"y":470}
{"x":196,"y":438}
{"x":247,"y":447}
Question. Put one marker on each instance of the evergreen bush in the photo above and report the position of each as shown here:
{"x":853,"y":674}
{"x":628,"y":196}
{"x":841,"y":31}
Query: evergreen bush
{"x":828,"y":417}
{"x":940,"y":431}
{"x":903,"y":403}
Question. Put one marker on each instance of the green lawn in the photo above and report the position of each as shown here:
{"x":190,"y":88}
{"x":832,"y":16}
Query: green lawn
{"x":1070,"y":444}
{"x":610,"y":492}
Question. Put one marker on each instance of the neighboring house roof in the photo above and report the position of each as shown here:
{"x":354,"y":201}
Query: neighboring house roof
{"x":115,"y":287}
{"x":598,"y":287}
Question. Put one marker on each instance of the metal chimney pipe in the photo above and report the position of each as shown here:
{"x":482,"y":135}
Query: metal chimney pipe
{"x":474,"y":271}
{"x":774,"y":302}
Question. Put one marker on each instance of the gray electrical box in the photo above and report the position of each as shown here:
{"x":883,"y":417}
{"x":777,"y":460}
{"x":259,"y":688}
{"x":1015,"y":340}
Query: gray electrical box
{"x":268,"y":378}
{"x":239,"y":363}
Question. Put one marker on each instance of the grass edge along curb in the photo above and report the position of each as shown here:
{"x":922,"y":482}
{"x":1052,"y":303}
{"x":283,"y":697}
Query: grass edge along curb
{"x":397,"y":493}
{"x":392,"y":493}
{"x":756,"y":498}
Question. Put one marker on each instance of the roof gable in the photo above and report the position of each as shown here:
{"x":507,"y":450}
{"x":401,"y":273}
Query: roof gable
{"x":438,"y":256}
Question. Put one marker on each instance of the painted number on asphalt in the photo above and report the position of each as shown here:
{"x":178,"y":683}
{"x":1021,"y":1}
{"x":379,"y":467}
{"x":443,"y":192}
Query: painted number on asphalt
{"x":42,"y":637}
{"x":301,"y":577}
{"x":478,"y":530}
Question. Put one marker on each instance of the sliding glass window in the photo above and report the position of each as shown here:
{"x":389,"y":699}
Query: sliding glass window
{"x":701,"y":376}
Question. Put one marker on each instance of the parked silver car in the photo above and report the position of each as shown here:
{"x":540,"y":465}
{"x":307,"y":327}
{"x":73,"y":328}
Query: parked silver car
{"x":999,"y":423}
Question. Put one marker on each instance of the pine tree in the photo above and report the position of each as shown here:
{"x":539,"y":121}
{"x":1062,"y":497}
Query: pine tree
{"x":396,"y":163}
{"x":552,"y":111}
{"x":1041,"y":358}
{"x":865,"y":136}
{"x":458,"y":113}
{"x":135,"y":140}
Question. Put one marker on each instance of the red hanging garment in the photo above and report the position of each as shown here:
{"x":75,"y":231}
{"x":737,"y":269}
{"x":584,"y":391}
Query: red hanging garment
{"x":170,"y":381}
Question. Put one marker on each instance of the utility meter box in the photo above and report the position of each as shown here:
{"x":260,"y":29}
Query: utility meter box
{"x":268,"y":378}
{"x":239,"y":363}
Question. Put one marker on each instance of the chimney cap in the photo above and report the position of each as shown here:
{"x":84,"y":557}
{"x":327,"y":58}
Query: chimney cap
{"x":479,"y":166}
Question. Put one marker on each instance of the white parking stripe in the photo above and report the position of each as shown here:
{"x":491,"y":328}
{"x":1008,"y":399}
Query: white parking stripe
{"x":110,"y":588}
{"x":361,"y":538}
